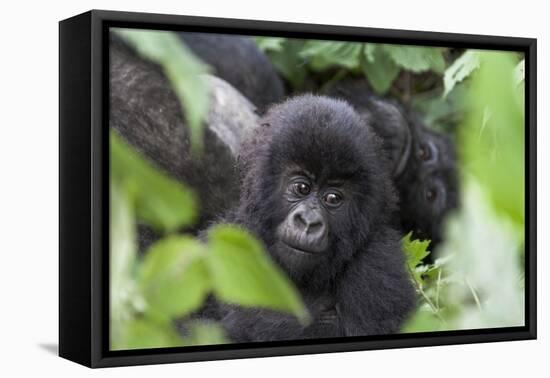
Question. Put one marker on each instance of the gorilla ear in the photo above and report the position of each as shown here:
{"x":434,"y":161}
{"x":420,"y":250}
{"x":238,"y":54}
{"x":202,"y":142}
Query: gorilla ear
{"x":405,"y":153}
{"x":396,"y":133}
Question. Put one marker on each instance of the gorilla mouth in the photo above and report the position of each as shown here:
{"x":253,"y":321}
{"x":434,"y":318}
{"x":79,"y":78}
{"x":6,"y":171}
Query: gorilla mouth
{"x":299,"y":249}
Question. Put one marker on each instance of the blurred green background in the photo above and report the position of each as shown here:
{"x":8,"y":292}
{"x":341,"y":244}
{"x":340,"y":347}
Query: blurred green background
{"x":477,"y":279}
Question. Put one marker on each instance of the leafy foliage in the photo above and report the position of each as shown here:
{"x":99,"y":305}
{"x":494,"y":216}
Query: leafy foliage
{"x":416,"y":58}
{"x":285,"y":56}
{"x":379,"y":69}
{"x":493,"y":136}
{"x":324,"y":54}
{"x":174,"y":278}
{"x":380,"y":63}
{"x":460,"y":69}
{"x":243,"y":274}
{"x":178,"y":271}
{"x":477,"y":280}
{"x":415,"y":252}
{"x":476,"y":277}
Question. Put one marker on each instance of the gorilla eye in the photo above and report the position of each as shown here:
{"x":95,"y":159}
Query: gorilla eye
{"x":431,"y":194}
{"x":301,"y":188}
{"x":425,"y":152}
{"x":332,"y":199}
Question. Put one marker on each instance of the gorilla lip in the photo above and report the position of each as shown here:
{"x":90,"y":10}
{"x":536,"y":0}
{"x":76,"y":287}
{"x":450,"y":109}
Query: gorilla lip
{"x":297,"y":249}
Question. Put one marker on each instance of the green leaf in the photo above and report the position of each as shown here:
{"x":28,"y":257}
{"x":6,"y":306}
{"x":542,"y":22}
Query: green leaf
{"x":243,"y":274}
{"x":379,"y":68}
{"x":289,"y":63}
{"x":124,"y":298}
{"x":415,"y":251}
{"x":369,"y":51}
{"x":182,"y":69}
{"x":142,"y":333}
{"x":174,"y":278}
{"x":460,"y":70}
{"x":122,"y":247}
{"x":492,"y":140}
{"x":161,"y":201}
{"x":270,"y":43}
{"x":324,"y":54}
{"x":416,"y":58}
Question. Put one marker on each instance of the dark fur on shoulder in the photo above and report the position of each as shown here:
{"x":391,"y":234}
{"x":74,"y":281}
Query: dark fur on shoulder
{"x":360,"y":286}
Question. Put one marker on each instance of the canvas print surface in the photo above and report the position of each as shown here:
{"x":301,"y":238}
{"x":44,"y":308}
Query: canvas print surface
{"x":267,"y":189}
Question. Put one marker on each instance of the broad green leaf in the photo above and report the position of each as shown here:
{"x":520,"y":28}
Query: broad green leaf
{"x":289,"y":63}
{"x":174,"y":278}
{"x":124,"y":297}
{"x":325,"y":54}
{"x":159,"y":200}
{"x":270,"y":43}
{"x":182,"y":69}
{"x":379,"y":69}
{"x":369,"y":51}
{"x":492,"y":139}
{"x":243,"y":274}
{"x":122,"y":248}
{"x":143,"y":333}
{"x":460,"y":70}
{"x":416,"y":58}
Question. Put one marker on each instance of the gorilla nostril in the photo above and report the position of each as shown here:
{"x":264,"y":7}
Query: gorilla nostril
{"x":316,"y":227}
{"x":299,"y":221}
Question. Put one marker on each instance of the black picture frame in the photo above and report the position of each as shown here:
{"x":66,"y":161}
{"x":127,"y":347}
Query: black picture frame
{"x":84,"y":196}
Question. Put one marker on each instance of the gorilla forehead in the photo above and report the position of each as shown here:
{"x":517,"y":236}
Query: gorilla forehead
{"x":320,"y":134}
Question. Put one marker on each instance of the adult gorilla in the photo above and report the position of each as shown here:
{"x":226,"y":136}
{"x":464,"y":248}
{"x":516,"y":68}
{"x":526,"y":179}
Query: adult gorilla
{"x":316,"y":191}
{"x":423,"y":161}
{"x":146,"y":113}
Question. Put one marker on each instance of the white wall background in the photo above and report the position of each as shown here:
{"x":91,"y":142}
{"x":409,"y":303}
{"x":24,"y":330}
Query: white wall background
{"x":29,"y":186}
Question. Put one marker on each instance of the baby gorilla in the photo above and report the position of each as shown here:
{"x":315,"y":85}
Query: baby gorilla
{"x":317,"y":193}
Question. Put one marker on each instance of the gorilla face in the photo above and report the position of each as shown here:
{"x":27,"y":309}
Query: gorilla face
{"x":431,"y":190}
{"x":311,"y":207}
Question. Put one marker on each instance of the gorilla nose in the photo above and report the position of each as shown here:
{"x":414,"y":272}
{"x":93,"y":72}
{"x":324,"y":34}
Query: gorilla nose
{"x":310,"y":222}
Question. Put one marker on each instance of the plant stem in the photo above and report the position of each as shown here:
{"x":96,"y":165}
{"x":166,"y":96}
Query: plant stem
{"x":438,"y":286}
{"x":474,"y":294}
{"x":418,"y":286}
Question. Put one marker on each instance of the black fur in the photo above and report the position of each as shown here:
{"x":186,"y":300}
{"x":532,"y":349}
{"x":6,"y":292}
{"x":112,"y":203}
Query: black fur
{"x":238,"y":60}
{"x":422,"y":160}
{"x":145,"y":111}
{"x":359,"y":286}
